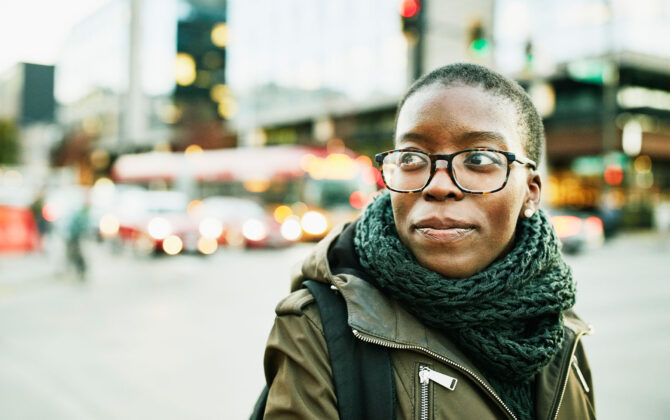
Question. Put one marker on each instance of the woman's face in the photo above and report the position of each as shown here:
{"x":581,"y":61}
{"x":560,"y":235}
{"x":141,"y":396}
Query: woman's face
{"x":451,"y":232}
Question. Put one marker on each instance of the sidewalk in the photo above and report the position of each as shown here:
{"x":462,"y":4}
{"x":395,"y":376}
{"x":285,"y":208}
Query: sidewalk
{"x":24,"y":271}
{"x":646,"y":239}
{"x":28,"y":270}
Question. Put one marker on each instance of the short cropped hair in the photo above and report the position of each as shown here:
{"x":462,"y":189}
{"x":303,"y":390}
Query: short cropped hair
{"x":529,"y":121}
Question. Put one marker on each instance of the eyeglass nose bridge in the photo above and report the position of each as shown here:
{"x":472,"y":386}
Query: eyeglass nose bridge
{"x":442,"y":162}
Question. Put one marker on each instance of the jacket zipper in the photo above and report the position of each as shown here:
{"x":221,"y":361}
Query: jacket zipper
{"x":565,"y":381}
{"x":580,"y":376}
{"x":389,"y":344}
{"x":426,"y":375}
{"x":423,"y":403}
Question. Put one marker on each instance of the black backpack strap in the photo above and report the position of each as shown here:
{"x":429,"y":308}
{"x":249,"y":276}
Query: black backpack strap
{"x":259,"y":407}
{"x":362,"y":372}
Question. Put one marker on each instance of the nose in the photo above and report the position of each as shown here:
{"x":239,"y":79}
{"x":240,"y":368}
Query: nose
{"x":442,"y":186}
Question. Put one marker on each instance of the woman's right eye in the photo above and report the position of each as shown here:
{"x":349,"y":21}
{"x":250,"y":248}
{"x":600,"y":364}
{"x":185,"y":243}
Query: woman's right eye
{"x":412,"y":161}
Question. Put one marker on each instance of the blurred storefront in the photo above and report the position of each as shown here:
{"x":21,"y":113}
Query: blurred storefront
{"x":598,"y":71}
{"x":608,"y":140}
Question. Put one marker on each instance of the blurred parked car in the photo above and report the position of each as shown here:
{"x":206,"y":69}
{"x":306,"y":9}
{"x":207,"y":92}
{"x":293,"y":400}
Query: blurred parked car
{"x":240,"y":222}
{"x":18,"y":227}
{"x":153,"y":221}
{"x":577,"y":230}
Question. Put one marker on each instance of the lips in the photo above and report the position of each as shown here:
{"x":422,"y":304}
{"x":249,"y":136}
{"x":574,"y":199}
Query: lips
{"x":444,"y":229}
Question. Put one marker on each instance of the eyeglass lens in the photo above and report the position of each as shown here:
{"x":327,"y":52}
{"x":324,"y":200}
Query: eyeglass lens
{"x":476,"y":171}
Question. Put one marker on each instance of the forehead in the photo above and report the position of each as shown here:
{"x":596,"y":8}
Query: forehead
{"x":438,"y":117}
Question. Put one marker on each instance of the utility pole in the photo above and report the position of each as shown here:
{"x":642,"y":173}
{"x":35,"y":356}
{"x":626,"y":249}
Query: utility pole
{"x":134,"y":115}
{"x":610,"y":78}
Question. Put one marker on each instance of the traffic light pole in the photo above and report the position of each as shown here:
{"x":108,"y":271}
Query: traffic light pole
{"x":412,"y":14}
{"x":418,"y":53}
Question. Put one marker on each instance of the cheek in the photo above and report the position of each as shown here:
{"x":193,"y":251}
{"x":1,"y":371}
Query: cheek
{"x":503,"y":213}
{"x":402,"y":204}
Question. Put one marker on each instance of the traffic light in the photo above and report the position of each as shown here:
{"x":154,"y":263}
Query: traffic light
{"x":478,"y":45}
{"x":613,"y":175}
{"x":529,"y":49}
{"x":410,"y":14}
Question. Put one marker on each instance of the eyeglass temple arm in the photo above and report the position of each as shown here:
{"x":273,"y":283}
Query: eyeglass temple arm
{"x":525,"y":161}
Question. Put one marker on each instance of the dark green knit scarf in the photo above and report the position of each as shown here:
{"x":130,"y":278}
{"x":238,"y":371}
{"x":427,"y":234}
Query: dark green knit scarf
{"x":507,"y":318}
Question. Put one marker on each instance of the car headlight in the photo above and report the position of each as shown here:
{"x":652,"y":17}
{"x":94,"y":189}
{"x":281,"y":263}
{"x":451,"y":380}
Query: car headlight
{"x":314,"y":223}
{"x":172,"y":245}
{"x":254,"y":230}
{"x":207,"y":246}
{"x":159,"y":228}
{"x":109,"y":226}
{"x":566,"y":225}
{"x":210,"y":228}
{"x":291,"y":229}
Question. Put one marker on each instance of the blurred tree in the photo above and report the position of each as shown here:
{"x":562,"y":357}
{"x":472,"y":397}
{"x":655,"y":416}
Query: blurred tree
{"x":74,"y":150}
{"x":9,"y":143}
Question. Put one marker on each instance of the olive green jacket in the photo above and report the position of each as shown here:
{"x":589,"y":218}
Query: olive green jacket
{"x":298,"y":370}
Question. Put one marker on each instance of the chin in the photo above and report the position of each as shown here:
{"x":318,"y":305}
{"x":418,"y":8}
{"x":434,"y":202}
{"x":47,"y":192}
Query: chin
{"x":452,"y":268}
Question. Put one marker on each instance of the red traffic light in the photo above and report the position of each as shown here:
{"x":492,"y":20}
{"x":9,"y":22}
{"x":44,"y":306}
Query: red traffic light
{"x":613,"y":174}
{"x":409,"y":8}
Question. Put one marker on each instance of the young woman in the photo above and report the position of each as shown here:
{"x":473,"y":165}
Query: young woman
{"x":455,"y":269}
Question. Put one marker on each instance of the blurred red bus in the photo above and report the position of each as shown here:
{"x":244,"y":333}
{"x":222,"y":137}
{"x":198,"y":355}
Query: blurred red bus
{"x":308,"y":190}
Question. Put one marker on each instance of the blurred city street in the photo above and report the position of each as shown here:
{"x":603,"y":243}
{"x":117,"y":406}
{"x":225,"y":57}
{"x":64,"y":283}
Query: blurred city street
{"x":179,"y":157}
{"x":623,"y":291}
{"x":143,"y":338}
{"x":182,"y":337}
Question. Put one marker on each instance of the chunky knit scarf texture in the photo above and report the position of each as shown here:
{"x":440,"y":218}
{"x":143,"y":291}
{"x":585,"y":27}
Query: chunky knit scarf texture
{"x":507,"y":318}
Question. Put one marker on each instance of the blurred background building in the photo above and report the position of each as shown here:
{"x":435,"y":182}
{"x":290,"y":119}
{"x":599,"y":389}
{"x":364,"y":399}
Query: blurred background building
{"x":601,"y":85}
{"x":27,"y":114}
{"x":140,"y":75}
{"x":143,"y":75}
{"x":310,"y":72}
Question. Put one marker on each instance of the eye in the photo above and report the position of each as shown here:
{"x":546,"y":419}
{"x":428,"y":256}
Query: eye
{"x":411,"y":161}
{"x":483,"y":159}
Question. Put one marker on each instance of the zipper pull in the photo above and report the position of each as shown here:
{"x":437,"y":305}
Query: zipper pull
{"x":580,"y":376}
{"x":427,"y":374}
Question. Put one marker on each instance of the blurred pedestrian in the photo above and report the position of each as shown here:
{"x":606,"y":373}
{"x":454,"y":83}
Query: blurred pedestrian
{"x":37,"y":209}
{"x":455,"y":272}
{"x":76,"y":230}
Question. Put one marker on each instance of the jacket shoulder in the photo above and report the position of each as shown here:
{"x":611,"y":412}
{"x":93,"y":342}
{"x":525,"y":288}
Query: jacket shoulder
{"x":295,"y":303}
{"x":575,"y":323}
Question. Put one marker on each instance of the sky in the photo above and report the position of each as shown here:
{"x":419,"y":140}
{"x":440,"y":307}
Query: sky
{"x":34,"y":30}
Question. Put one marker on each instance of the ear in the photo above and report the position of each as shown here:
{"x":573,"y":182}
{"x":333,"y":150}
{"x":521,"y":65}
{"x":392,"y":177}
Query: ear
{"x":533,"y":192}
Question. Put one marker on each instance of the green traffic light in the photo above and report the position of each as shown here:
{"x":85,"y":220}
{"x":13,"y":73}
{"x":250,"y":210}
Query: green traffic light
{"x":480,"y":44}
{"x":479,"y":48}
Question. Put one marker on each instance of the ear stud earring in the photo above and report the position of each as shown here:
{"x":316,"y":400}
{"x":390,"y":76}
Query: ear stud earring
{"x":528,"y":213}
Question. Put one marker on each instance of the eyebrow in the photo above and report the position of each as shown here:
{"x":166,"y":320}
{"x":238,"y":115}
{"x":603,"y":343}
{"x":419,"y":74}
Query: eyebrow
{"x":467,"y":137}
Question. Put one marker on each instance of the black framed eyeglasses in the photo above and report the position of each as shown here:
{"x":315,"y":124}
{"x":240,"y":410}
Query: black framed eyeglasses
{"x":478,"y":170}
